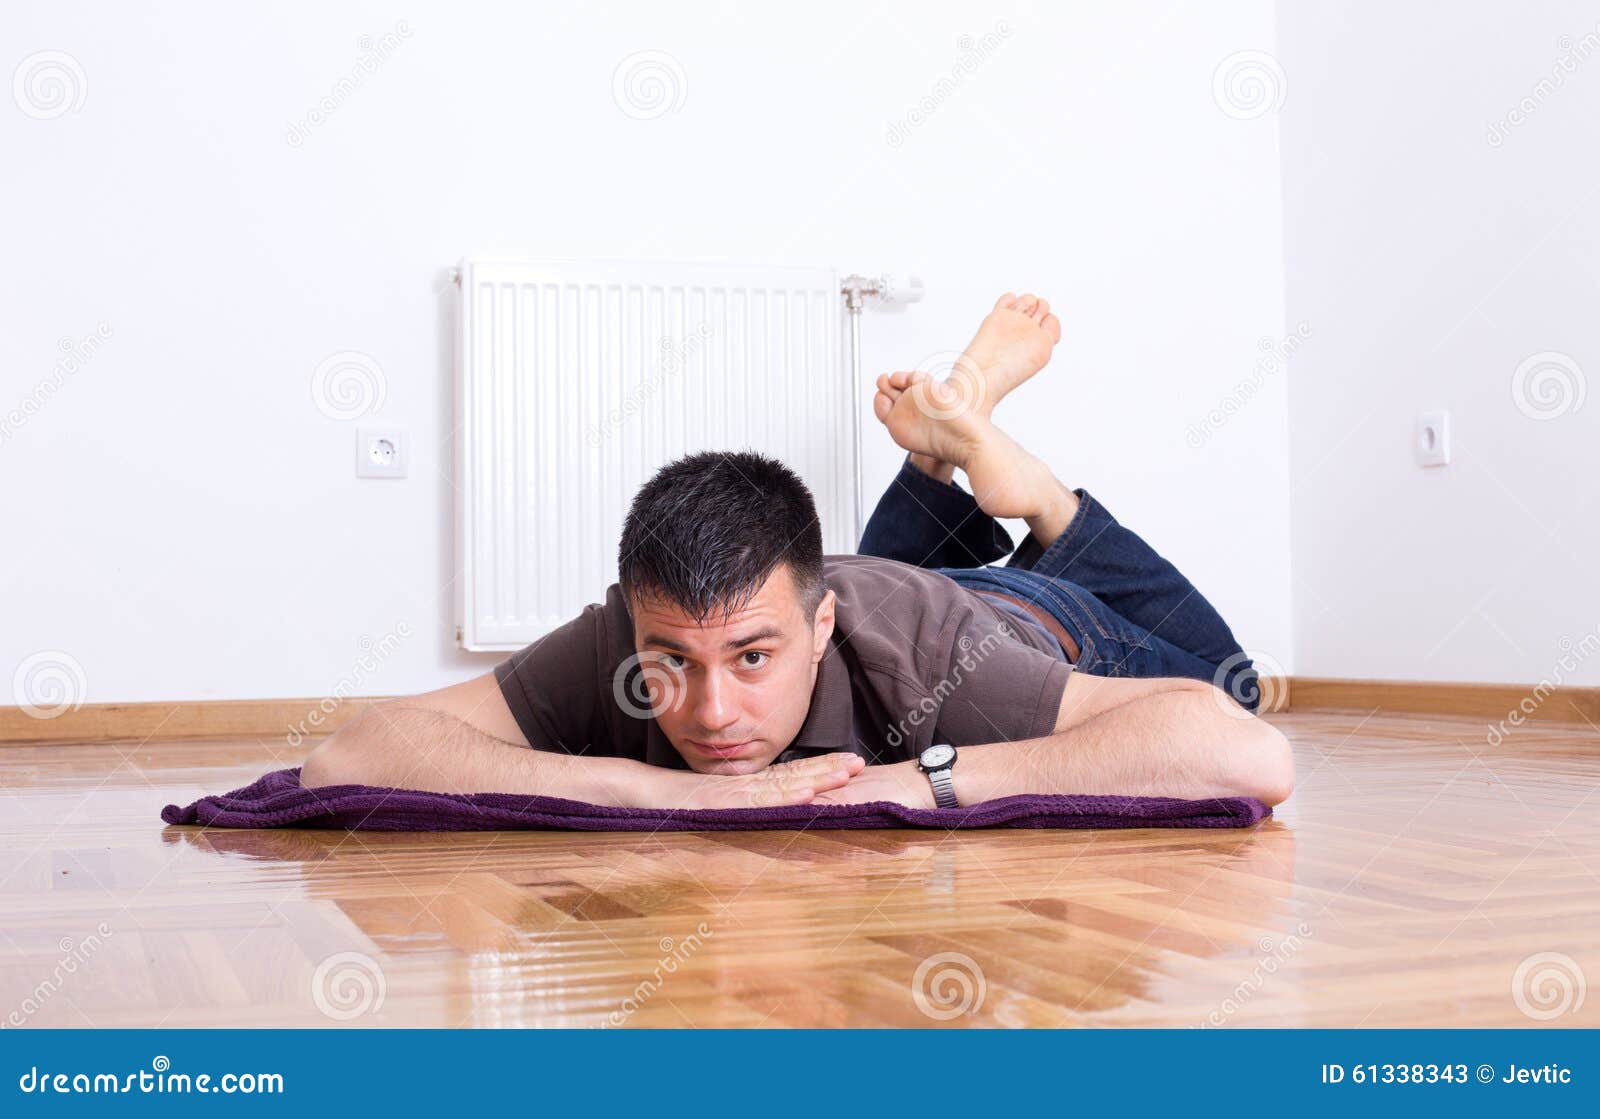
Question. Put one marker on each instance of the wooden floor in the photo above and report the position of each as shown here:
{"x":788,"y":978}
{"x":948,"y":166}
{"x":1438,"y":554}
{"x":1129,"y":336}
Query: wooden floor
{"x":1418,"y":877}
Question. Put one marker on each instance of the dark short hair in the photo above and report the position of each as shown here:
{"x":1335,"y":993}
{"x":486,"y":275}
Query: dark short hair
{"x":707,"y":530}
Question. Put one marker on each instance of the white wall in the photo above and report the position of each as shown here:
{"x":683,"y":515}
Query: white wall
{"x":1434,"y":245}
{"x":184,"y":523}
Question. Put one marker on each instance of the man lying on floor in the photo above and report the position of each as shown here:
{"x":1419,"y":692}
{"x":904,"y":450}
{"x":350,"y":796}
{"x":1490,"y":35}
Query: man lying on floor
{"x":734,"y":665}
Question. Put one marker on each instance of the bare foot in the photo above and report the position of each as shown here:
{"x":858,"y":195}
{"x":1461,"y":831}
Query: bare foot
{"x":1008,"y":481}
{"x":1013,"y":343}
{"x":931,"y":419}
{"x":933,"y":468}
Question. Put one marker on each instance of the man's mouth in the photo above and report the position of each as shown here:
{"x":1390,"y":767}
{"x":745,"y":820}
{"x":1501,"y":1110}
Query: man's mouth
{"x":723,"y":749}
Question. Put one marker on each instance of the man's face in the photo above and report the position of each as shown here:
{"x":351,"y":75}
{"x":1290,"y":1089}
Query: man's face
{"x":742,"y":682}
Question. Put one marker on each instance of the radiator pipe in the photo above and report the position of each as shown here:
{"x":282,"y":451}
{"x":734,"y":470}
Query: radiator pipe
{"x":856,"y":290}
{"x":852,"y":306}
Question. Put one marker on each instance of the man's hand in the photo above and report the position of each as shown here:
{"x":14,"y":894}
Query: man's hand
{"x":801,"y":782}
{"x":901,"y":783}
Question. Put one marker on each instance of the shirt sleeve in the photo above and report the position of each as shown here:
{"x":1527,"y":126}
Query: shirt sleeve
{"x":553,"y":687}
{"x":995,"y":688}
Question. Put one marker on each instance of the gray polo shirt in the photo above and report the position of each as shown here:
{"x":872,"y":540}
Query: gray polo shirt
{"x":914,"y":659}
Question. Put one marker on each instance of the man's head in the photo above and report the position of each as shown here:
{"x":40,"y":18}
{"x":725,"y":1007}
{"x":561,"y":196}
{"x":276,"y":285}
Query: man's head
{"x":721,"y":563}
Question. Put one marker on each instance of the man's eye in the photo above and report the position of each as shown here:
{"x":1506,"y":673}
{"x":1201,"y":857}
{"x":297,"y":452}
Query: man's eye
{"x":672,"y":660}
{"x":755,"y":664}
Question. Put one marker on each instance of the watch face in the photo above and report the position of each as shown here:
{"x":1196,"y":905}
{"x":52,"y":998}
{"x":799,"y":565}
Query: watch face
{"x":937,"y":757}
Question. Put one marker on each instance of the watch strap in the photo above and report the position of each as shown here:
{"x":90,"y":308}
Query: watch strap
{"x":944,"y":789}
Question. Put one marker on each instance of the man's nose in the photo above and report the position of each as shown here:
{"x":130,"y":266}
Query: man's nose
{"x":713,"y":707}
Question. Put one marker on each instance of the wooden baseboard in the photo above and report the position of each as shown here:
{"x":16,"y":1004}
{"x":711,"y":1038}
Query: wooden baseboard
{"x":1276,"y":693}
{"x":289,"y":719}
{"x":1493,"y":703}
{"x":292,"y":719}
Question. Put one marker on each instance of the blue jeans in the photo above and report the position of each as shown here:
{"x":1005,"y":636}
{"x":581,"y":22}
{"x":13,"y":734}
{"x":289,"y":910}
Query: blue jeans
{"x":1131,"y":612}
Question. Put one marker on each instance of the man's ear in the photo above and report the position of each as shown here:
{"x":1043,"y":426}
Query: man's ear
{"x":822,"y":627}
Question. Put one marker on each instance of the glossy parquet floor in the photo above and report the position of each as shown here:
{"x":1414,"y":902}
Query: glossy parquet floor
{"x":1418,"y":877}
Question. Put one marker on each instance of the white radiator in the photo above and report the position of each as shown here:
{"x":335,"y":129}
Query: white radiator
{"x":577,"y":380}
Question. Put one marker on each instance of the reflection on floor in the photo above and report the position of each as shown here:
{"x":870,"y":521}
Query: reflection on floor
{"x":1418,"y":877}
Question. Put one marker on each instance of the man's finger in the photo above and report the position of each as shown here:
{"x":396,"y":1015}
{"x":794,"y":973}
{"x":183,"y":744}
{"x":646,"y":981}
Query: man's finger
{"x":794,"y":788}
{"x":853,"y":762}
{"x":790,"y":790}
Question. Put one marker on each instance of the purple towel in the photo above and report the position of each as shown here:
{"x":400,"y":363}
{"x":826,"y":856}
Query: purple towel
{"x":277,"y":801}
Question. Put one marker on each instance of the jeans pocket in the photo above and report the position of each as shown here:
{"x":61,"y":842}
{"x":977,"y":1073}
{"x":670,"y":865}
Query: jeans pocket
{"x":1134,"y":658}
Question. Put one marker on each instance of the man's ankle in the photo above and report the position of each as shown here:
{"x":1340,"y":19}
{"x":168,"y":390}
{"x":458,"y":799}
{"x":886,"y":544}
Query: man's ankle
{"x":934,"y":468}
{"x":1054,"y":519}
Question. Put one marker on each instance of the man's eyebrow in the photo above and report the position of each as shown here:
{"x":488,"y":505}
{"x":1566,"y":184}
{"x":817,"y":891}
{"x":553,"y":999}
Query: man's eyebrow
{"x":766,"y":634}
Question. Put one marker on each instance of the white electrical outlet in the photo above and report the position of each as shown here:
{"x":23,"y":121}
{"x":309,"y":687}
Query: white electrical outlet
{"x":1431,"y":440}
{"x":381,"y":452}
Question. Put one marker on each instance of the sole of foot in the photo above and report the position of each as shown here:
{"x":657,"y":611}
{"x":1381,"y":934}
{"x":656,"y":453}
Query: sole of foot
{"x":1013,"y":342}
{"x":1006,"y":480}
{"x":929,"y":417}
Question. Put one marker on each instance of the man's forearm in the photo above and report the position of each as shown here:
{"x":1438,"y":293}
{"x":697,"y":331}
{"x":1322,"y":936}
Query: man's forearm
{"x":396,"y":746}
{"x":1173,"y":744}
{"x":409,"y":747}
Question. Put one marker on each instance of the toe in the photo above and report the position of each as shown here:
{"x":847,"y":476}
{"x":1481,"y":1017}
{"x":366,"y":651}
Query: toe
{"x":881,"y":407}
{"x":898,"y":383}
{"x":1041,"y":310}
{"x":1052,"y":327}
{"x":1005,"y":301}
{"x":1026,"y":304}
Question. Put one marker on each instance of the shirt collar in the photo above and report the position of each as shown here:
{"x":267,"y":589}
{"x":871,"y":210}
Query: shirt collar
{"x":830,"y":723}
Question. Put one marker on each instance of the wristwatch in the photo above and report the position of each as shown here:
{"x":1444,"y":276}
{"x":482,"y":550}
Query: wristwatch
{"x":937,"y":761}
